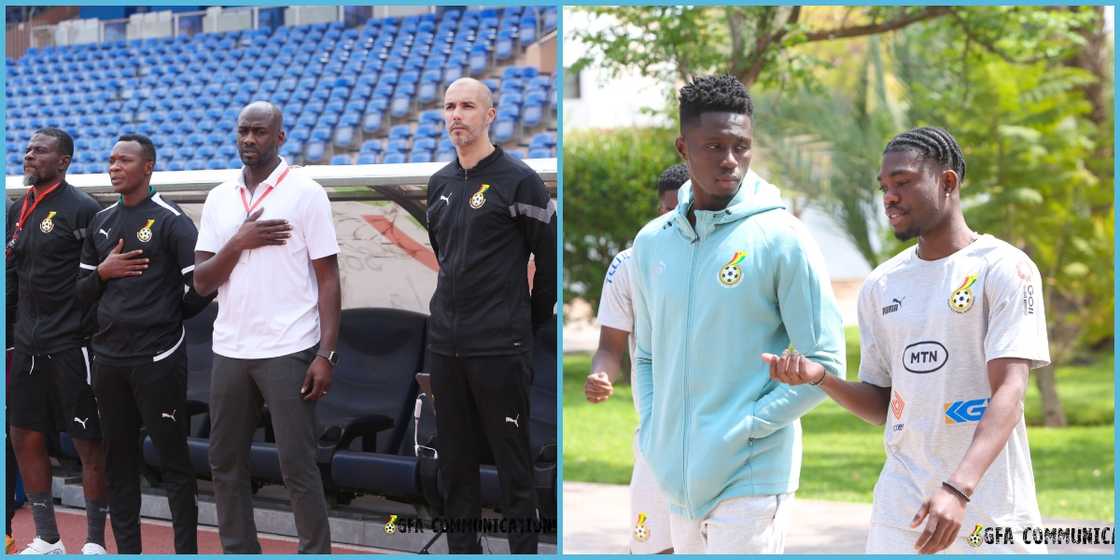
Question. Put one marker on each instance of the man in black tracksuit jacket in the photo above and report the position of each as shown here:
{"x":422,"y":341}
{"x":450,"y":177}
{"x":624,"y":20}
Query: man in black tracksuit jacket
{"x":487,"y":211}
{"x":137,"y":266}
{"x":49,"y":387}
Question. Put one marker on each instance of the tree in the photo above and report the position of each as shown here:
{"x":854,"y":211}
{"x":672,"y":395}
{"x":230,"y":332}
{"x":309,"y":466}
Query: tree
{"x":1027,"y":91}
{"x":1032,"y":130}
{"x":610,"y":191}
{"x":749,"y":42}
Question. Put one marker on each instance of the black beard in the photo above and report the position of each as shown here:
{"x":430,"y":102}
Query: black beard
{"x":906,"y":235}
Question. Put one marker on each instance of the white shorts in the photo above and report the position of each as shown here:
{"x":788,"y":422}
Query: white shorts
{"x":649,"y":510}
{"x":743,"y":525}
{"x":890,"y":540}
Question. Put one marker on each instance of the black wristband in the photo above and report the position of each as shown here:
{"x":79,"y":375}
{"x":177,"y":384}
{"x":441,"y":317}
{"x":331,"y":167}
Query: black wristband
{"x":819,"y":381}
{"x":952,"y":488}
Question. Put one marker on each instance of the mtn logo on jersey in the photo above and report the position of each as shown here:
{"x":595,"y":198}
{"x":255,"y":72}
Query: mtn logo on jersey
{"x":961,"y":299}
{"x":964,"y":412}
{"x":479,"y":198}
{"x":730,"y":274}
{"x":47,"y":225}
{"x":145,"y":233}
{"x":924,"y":357}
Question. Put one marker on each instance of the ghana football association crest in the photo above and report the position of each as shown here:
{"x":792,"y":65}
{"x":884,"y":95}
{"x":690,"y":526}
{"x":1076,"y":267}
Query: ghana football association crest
{"x":47,"y":225}
{"x":145,"y":233}
{"x":731,"y":273}
{"x":962,"y":298}
{"x":641,"y":530}
{"x":479,"y":198}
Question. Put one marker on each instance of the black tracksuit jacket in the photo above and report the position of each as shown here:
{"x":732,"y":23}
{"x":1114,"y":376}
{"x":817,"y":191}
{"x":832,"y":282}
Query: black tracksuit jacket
{"x":483,"y":223}
{"x":140,"y":319}
{"x":42,"y":272}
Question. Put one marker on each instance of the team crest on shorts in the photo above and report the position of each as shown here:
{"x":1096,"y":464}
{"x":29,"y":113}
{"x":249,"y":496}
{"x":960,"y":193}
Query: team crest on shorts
{"x":479,"y":198}
{"x":641,"y":530}
{"x":731,"y":274}
{"x":47,"y":225}
{"x":961,"y":299}
{"x":145,"y":233}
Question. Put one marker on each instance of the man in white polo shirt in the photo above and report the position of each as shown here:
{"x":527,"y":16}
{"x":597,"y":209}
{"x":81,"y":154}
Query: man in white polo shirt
{"x":267,"y":245}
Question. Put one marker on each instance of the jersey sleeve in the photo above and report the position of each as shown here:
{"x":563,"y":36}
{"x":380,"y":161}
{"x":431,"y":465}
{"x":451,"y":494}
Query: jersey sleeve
{"x":535,"y":213}
{"x":874,"y":368}
{"x":1016,"y":316}
{"x":89,"y":285}
{"x":184,"y":241}
{"x":318,"y":225}
{"x":616,"y":309}
{"x":208,"y":241}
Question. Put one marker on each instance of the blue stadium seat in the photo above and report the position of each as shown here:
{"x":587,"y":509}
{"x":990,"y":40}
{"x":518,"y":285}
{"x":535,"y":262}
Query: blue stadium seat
{"x":433,"y":117}
{"x":394,"y":157}
{"x":344,"y":137}
{"x":400,"y":132}
{"x":316,"y":151}
{"x":428,"y":131}
{"x":216,"y":163}
{"x":542,"y":140}
{"x":371,"y":146}
{"x":420,"y":156}
{"x":371,"y":123}
{"x":367,"y":159}
{"x":503,"y":130}
{"x":400,"y":106}
{"x":341,"y":159}
{"x":397,"y":146}
{"x":540,"y":153}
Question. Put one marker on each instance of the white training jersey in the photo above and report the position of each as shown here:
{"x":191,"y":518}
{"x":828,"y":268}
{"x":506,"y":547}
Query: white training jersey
{"x":927,"y":331}
{"x":615,"y":307}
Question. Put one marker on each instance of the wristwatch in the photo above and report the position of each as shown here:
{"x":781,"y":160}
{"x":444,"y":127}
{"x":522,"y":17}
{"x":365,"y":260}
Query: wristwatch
{"x":331,"y":357}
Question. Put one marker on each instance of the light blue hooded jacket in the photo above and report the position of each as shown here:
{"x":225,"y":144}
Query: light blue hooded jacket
{"x":708,"y":302}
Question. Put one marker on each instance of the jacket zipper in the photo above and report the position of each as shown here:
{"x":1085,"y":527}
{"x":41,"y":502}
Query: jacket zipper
{"x":32,"y":249}
{"x":462,"y":252}
{"x":693,"y":246}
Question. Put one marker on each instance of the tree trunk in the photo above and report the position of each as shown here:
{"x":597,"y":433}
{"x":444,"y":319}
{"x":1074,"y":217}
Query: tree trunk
{"x":1053,"y":415}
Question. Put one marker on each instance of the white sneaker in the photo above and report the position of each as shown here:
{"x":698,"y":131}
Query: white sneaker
{"x":93,"y":548}
{"x":40,"y":546}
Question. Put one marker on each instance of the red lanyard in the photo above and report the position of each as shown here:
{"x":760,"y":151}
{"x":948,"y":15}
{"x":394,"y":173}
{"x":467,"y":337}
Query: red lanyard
{"x":268,"y":191}
{"x":25,"y":213}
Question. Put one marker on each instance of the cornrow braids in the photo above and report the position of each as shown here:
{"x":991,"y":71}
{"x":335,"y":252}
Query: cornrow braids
{"x":672,"y":178}
{"x":931,"y":142}
{"x":707,"y":94}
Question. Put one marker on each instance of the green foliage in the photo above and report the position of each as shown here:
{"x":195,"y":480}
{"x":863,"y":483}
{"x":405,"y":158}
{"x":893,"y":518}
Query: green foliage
{"x":1030,"y":139}
{"x":610,"y":192}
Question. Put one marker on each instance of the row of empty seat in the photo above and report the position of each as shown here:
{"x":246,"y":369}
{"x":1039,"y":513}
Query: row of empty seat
{"x":338,"y":87}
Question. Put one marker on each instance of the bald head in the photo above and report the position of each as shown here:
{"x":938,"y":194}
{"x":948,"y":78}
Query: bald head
{"x":260,"y":133}
{"x":471,"y":88}
{"x":263,"y":110}
{"x":468,"y":110}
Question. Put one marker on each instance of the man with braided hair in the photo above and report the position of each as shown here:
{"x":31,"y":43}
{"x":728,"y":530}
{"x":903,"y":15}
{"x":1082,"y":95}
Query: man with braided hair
{"x":949,"y":331}
{"x":724,"y":277}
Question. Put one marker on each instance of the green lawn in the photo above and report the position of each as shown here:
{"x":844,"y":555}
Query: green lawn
{"x":843,"y":455}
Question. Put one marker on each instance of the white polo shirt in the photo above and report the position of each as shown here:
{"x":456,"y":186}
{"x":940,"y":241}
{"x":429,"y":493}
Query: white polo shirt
{"x":269,"y":305}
